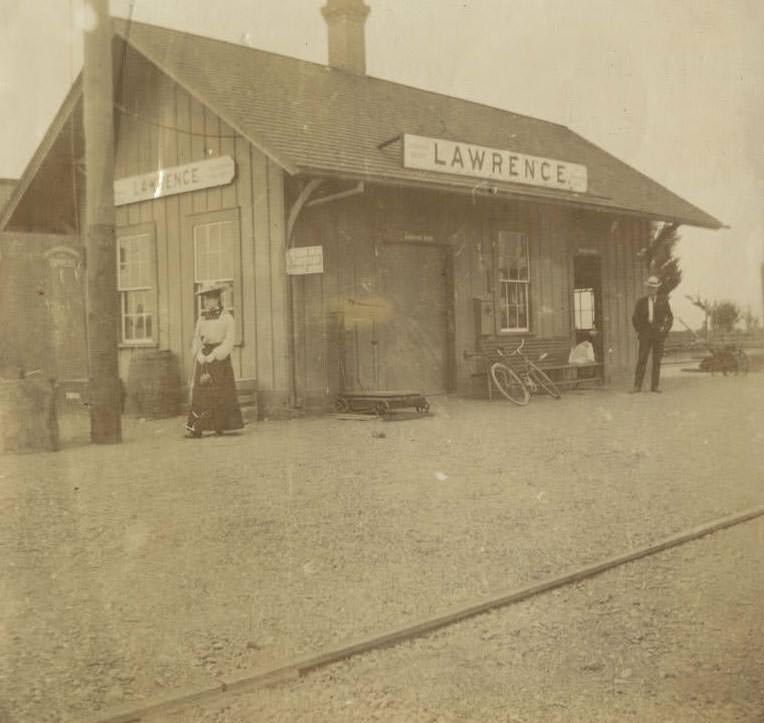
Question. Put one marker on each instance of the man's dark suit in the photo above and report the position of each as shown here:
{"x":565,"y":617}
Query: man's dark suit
{"x":651,"y":336}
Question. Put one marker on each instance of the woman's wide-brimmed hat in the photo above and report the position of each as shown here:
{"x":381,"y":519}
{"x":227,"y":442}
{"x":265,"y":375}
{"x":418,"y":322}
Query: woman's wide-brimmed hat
{"x":211,"y":289}
{"x":653,"y":282}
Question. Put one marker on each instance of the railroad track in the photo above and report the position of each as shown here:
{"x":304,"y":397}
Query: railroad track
{"x":290,"y":670}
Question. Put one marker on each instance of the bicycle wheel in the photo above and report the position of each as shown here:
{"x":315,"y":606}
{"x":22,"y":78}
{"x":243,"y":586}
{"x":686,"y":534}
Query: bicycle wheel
{"x":509,"y":384}
{"x":543,"y":381}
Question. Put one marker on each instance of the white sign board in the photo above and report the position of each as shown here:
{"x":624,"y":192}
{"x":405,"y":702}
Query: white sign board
{"x":305,"y":260}
{"x":468,"y":159}
{"x":178,"y":179}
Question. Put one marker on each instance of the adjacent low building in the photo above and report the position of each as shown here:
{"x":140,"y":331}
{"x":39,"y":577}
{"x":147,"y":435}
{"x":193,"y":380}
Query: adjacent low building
{"x":374,"y":235}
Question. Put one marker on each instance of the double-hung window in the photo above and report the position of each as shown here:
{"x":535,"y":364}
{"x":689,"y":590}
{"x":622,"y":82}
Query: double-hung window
{"x":513,"y":279}
{"x":214,"y":259}
{"x":136,"y":276}
{"x":217,"y":251}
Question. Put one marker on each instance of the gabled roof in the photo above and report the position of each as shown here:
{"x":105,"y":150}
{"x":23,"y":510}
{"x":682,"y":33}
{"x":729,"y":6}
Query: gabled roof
{"x":314,"y":119}
{"x":6,"y":190}
{"x":64,"y":115}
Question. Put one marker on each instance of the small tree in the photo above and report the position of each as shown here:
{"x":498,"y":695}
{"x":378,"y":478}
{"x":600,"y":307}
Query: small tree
{"x":705,"y":305}
{"x":660,"y":258}
{"x":724,"y":315}
{"x":751,"y":322}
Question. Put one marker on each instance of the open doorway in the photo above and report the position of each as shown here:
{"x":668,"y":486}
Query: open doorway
{"x":587,"y":300}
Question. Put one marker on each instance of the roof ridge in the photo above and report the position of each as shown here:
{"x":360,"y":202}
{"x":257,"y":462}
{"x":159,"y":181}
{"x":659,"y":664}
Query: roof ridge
{"x":128,"y":23}
{"x":330,"y":142}
{"x":342,"y":73}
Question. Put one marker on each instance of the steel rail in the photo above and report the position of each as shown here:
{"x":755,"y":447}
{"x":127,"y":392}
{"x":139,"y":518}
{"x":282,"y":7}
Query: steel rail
{"x":294,"y":669}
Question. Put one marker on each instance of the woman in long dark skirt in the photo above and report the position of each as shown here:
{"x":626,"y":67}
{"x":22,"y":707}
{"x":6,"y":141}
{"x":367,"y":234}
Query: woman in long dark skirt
{"x":214,"y":405}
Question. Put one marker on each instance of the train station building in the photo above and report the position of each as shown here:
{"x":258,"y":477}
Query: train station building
{"x":374,"y":235}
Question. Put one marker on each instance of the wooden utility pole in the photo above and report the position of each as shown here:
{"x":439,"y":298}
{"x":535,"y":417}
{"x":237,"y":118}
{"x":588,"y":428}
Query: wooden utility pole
{"x":102,"y":298}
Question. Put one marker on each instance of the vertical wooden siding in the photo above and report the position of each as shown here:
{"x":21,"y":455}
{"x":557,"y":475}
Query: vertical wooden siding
{"x":354,"y":233}
{"x":618,"y":241}
{"x":166,"y":127}
{"x":352,"y":230}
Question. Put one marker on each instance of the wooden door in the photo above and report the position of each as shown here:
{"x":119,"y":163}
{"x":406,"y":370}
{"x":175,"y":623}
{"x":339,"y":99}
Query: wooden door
{"x":413,"y":344}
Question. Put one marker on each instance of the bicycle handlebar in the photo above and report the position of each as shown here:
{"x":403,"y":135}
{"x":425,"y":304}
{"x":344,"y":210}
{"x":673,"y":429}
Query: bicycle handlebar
{"x":514,"y":351}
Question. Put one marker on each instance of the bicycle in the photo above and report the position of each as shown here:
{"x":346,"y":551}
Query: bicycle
{"x":518,"y":386}
{"x":728,"y":359}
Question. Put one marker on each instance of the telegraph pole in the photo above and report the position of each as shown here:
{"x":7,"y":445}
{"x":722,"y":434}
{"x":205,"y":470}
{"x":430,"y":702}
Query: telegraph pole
{"x":102,"y":298}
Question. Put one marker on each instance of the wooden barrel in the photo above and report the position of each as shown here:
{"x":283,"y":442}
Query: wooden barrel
{"x":154,"y":385}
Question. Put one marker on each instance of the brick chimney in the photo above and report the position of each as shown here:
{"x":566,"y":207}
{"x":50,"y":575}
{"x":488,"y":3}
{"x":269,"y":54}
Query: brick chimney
{"x":347,"y":43}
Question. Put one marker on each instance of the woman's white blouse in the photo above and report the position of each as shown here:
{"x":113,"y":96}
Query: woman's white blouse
{"x":220,"y":331}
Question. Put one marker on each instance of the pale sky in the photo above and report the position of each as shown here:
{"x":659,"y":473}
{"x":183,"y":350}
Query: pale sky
{"x":674,"y":88}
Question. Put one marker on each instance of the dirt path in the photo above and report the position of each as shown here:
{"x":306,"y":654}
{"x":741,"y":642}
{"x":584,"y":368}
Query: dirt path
{"x":133,"y":570}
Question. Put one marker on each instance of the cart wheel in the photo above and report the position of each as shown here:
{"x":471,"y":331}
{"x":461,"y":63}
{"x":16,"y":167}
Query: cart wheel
{"x":341,"y":405}
{"x":423,"y":408}
{"x":381,"y":408}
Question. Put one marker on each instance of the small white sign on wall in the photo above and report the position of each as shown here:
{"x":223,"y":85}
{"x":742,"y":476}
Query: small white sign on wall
{"x":305,"y":260}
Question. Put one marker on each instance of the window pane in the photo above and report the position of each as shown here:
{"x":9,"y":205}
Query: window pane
{"x":505,"y":323}
{"x":143,"y":264}
{"x":139,"y":302}
{"x":135,"y":261}
{"x":135,"y":273}
{"x":513,"y":256}
{"x":226,"y":243}
{"x":200,"y":252}
{"x":583,"y":306}
{"x":213,"y":245}
{"x":522,"y":306}
{"x":138,"y":313}
{"x":514,"y":305}
{"x":214,"y":252}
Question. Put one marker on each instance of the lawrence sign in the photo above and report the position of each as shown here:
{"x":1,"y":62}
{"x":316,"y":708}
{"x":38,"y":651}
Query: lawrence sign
{"x":494,"y":164}
{"x":178,"y":179}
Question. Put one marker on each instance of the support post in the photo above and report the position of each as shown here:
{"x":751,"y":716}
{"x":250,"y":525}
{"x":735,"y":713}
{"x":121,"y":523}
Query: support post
{"x":102,"y":299}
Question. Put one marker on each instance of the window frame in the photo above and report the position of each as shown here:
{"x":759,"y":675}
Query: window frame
{"x":208,"y":219}
{"x":501,"y":284}
{"x":579,"y":310}
{"x":131,"y":232}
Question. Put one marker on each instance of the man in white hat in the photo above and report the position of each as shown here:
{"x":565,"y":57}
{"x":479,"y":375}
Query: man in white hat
{"x":652,"y":320}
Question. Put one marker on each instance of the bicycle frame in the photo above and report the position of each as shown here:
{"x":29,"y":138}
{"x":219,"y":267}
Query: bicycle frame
{"x":525,"y":372}
{"x":532,"y":377}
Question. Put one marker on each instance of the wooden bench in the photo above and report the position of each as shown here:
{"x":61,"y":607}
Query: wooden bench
{"x":555,"y":363}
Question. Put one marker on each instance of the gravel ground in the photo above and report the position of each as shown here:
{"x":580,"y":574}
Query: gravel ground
{"x":132,"y":570}
{"x":675,"y":637}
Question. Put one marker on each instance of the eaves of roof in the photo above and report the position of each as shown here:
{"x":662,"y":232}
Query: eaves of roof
{"x":311,"y":118}
{"x":453,"y":184}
